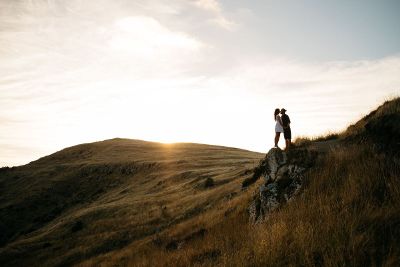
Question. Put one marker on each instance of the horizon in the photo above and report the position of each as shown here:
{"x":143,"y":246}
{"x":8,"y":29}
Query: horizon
{"x":179,"y":142}
{"x":202,"y":71}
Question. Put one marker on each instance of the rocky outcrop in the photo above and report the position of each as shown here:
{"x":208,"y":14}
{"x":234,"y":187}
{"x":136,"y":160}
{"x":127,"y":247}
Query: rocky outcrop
{"x":283,"y":178}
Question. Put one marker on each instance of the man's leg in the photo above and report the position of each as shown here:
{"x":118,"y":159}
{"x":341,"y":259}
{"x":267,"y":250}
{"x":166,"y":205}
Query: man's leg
{"x":288,"y":138}
{"x":288,"y":143}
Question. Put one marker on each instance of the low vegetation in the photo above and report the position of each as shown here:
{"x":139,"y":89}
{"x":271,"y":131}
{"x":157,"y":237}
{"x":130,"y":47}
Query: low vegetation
{"x":347,"y":216}
{"x":98,"y":198}
{"x":304,"y":141}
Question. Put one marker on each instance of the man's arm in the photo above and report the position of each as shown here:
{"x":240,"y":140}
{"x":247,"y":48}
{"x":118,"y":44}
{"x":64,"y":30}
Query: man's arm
{"x":288,"y":125}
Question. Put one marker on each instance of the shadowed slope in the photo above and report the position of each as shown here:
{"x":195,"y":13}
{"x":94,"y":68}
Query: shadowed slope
{"x":380,"y":127}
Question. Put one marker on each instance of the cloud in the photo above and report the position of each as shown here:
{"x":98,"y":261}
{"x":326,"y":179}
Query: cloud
{"x":211,"y":5}
{"x":219,"y":18}
{"x":146,"y":37}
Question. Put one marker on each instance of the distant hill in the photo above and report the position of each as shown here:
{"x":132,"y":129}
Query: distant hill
{"x":93,"y":198}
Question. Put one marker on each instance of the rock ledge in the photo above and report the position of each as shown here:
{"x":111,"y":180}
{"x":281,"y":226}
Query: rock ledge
{"x":283,"y":178}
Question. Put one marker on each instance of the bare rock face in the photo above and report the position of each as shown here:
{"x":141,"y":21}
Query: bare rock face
{"x":283,"y":178}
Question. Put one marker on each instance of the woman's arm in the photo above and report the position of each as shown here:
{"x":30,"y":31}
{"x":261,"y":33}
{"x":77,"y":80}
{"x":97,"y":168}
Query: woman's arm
{"x":280,"y":121}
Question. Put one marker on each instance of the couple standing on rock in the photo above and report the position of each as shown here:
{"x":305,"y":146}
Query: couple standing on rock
{"x":282,"y":126}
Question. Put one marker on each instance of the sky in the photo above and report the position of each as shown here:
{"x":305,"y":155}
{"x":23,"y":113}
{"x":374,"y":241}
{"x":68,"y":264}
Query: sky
{"x":203,"y":71}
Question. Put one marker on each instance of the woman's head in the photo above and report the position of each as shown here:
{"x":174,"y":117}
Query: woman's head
{"x":276,"y":112}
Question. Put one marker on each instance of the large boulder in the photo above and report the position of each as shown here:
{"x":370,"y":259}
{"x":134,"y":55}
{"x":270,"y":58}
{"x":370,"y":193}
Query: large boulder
{"x":283,"y":177}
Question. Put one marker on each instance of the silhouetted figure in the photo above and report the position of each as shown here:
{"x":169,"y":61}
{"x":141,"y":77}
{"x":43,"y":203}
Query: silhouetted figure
{"x":287,"y":132}
{"x":278,"y":126}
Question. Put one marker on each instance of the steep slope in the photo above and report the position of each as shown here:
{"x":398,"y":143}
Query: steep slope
{"x":94,"y":198}
{"x":381,"y":127}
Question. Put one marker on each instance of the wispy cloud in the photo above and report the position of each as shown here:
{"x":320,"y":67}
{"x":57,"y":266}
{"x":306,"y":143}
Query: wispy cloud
{"x":218,"y":17}
{"x":146,"y":37}
{"x":212,"y":5}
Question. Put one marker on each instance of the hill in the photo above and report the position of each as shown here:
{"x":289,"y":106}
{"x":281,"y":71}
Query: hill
{"x":345,"y":213}
{"x":94,"y":198}
{"x":133,"y":203}
{"x":381,"y":127}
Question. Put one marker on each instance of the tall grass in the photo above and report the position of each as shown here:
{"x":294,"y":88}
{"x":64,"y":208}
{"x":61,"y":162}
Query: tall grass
{"x":389,"y":107}
{"x":304,"y":140}
{"x":348,"y":215}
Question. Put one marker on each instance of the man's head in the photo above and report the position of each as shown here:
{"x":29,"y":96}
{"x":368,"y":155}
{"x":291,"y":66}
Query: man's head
{"x":283,"y":111}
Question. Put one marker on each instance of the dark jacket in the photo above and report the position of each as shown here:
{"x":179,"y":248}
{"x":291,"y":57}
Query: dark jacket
{"x":285,"y":121}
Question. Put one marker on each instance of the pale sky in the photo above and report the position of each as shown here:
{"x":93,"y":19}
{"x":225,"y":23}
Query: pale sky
{"x":203,"y":71}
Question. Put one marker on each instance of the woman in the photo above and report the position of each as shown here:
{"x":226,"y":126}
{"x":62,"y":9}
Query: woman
{"x":278,"y":126}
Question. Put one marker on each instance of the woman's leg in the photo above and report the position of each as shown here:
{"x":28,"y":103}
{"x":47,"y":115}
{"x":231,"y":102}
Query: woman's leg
{"x":277,"y":135}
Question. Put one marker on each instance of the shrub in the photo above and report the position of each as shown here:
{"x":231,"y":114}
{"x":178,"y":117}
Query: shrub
{"x":209,"y":182}
{"x":77,"y":226}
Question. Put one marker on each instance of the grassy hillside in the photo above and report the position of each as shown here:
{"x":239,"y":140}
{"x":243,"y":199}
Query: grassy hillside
{"x":95,"y":198}
{"x":347,"y":215}
{"x":133,"y":203}
{"x":381,"y":127}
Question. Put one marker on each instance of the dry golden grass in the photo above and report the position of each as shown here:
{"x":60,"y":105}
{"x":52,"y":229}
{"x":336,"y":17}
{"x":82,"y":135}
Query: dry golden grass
{"x":388,"y":108}
{"x":132,"y":203}
{"x":96,"y":198}
{"x":305,"y":140}
{"x":349,"y":215}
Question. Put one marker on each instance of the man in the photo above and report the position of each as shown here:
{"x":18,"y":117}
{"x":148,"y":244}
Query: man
{"x":287,"y":132}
